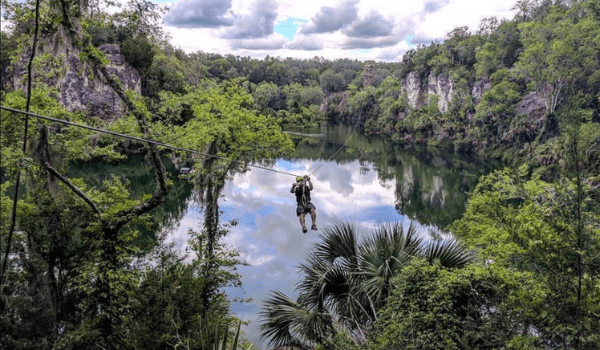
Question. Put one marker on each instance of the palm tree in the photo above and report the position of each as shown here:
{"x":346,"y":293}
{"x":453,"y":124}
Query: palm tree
{"x":345,"y":280}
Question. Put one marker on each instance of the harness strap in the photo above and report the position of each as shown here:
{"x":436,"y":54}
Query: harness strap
{"x":304,"y":201}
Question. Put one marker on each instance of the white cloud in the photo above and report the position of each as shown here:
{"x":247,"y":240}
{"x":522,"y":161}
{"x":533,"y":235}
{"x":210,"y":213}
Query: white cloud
{"x":200,"y":14}
{"x":258,"y":260}
{"x":425,"y":19}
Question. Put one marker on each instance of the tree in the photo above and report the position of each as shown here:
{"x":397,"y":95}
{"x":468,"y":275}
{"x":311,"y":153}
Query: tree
{"x":553,"y":54}
{"x":312,"y":96}
{"x":168,"y":311}
{"x":8,"y":44}
{"x":102,"y":283}
{"x":138,"y":52}
{"x":550,"y":231}
{"x":331,"y":82}
{"x":278,"y":73}
{"x":362,"y":106}
{"x":223,"y":125}
{"x":164,"y":74}
{"x":141,"y":18}
{"x":496,"y":108}
{"x":345,"y":282}
{"x":437,"y":308}
{"x":293,"y":96}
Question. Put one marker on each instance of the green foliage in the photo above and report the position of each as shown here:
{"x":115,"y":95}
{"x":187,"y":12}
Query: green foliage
{"x":436,"y":308}
{"x":537,"y":240}
{"x":168,"y":309}
{"x":138,"y":52}
{"x":553,"y":54}
{"x":164,"y":74}
{"x":331,"y":82}
{"x":548,"y":229}
{"x":102,"y":35}
{"x":496,"y":109}
{"x":267,"y":98}
{"x":277,"y":73}
{"x":92,"y":54}
{"x":52,"y":68}
{"x":222,"y":114}
{"x":140,"y":18}
{"x":8,"y":46}
{"x":346,"y":281}
{"x":75,"y":262}
{"x":361,"y":106}
{"x":83,"y":261}
{"x":500,"y":51}
{"x":539,"y":62}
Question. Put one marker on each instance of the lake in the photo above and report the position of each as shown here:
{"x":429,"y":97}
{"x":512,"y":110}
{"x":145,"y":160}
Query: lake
{"x":368,"y":182}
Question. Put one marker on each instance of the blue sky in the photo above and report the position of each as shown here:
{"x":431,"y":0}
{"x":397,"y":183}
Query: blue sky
{"x":289,"y":27}
{"x":368,"y":30}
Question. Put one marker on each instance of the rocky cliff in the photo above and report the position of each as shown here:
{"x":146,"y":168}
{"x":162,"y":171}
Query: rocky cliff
{"x":61,"y":66}
{"x":417,"y":94}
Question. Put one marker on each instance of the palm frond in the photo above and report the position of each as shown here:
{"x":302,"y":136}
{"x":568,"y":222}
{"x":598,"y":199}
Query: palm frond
{"x":338,"y":241}
{"x":321,"y":280}
{"x":450,"y":252}
{"x":286,"y":322}
{"x":383,"y":255}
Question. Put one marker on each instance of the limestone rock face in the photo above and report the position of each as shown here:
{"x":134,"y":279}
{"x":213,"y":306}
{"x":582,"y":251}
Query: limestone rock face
{"x":479,"y":88}
{"x":411,"y":86}
{"x":78,"y":87}
{"x":533,"y":105}
{"x":442,"y":87}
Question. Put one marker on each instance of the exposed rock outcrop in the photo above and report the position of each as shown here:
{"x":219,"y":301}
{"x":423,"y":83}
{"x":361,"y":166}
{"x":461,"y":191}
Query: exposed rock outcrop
{"x":533,"y":105}
{"x":537,"y":121}
{"x":479,"y":88}
{"x":441,"y":86}
{"x":411,"y":87}
{"x":61,"y":66}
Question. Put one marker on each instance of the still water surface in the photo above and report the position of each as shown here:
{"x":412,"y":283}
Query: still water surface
{"x":370,"y":181}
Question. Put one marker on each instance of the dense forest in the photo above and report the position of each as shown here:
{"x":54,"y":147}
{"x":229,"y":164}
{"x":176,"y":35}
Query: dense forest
{"x":80,"y":271}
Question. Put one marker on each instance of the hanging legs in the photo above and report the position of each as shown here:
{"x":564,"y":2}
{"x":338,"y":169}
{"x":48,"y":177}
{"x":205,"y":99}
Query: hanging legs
{"x":303,"y":222}
{"x":301,"y":212}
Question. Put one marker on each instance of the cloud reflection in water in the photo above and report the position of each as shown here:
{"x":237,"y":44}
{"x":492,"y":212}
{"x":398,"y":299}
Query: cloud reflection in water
{"x":269,"y":236}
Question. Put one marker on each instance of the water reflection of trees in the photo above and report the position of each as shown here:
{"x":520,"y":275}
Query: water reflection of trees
{"x":432,"y":185}
{"x":138,"y":173}
{"x":321,"y":148}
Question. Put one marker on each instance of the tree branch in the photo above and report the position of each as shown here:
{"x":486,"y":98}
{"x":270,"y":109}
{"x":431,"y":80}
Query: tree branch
{"x":161,"y":174}
{"x":45,"y":158}
{"x":123,"y":217}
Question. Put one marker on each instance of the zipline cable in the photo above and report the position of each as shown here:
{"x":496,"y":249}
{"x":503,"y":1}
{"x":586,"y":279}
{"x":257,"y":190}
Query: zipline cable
{"x":339,"y":149}
{"x":161,"y":144}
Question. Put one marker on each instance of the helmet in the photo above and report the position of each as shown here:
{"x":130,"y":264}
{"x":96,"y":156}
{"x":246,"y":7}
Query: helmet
{"x":298,"y":178}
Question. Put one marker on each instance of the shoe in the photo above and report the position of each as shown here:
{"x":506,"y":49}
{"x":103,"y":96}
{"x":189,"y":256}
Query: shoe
{"x":314,"y":227}
{"x":304,"y":230}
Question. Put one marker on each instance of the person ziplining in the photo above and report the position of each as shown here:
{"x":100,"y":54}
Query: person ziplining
{"x":301,"y":188}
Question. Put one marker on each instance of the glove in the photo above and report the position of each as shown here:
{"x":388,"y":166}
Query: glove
{"x":306,"y":178}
